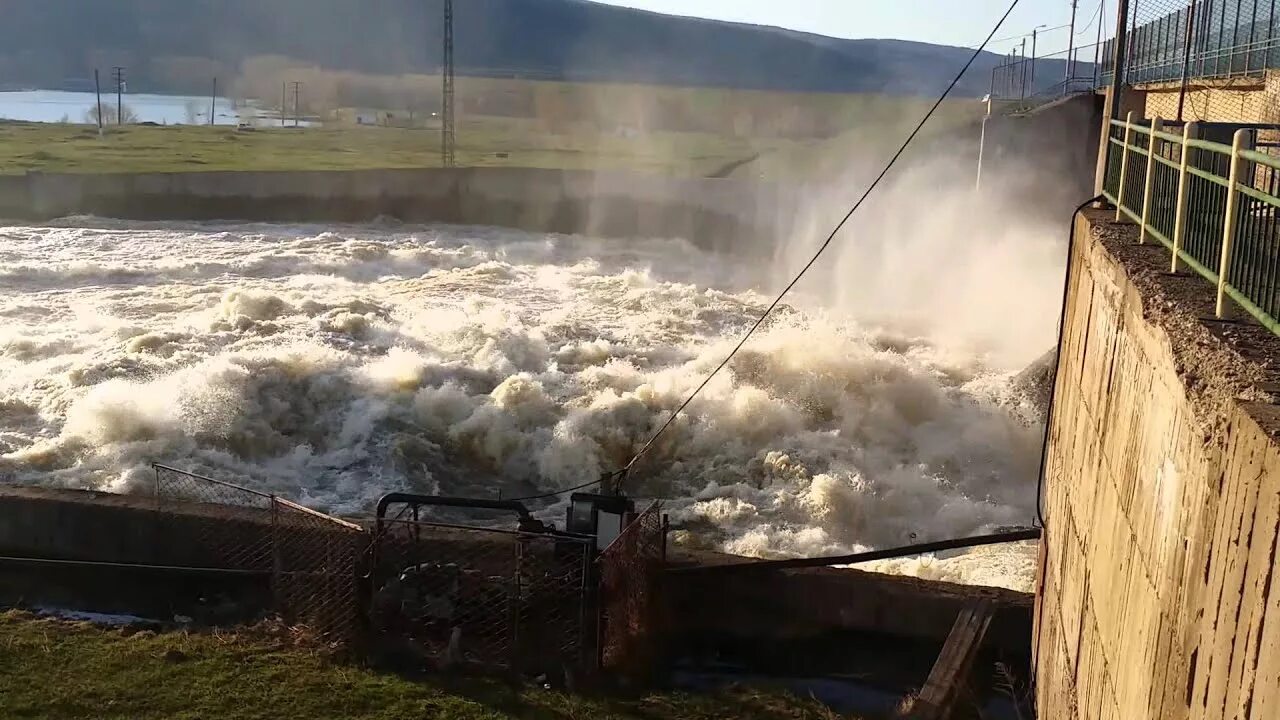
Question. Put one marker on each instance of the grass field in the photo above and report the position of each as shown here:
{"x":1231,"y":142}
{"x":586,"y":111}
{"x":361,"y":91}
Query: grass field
{"x":63,"y":670}
{"x":481,"y":142}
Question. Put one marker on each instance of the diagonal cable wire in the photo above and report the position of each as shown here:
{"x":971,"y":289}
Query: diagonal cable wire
{"x":620,"y":475}
{"x":826,"y":243}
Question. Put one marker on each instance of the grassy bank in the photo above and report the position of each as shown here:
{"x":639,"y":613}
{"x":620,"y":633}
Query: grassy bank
{"x":58,"y":669}
{"x":55,"y":147}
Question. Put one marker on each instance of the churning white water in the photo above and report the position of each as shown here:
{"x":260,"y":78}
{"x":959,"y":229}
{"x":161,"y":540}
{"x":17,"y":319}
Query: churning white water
{"x":334,"y":364}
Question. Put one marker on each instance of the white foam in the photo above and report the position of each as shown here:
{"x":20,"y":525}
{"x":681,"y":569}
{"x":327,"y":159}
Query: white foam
{"x":335,"y":364}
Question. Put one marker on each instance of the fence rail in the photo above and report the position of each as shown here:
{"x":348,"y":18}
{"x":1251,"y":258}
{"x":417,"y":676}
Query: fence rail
{"x":309,"y":558}
{"x":1215,"y":206}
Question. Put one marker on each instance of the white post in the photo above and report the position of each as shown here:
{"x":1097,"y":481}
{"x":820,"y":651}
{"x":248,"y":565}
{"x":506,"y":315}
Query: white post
{"x":1180,"y":218}
{"x":1157,"y":125}
{"x":1124,"y":162}
{"x":982,"y":143}
{"x":1229,"y":222}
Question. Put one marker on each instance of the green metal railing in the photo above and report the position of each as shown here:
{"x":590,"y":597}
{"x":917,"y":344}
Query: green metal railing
{"x":1215,"y":206}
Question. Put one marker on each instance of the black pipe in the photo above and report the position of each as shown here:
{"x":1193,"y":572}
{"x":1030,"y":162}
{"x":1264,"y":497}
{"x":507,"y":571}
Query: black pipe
{"x":887,"y":554}
{"x":1057,"y":358}
{"x":445,"y":501}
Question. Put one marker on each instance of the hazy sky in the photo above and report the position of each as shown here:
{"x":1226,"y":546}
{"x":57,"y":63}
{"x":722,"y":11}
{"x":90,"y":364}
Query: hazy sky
{"x":948,"y":22}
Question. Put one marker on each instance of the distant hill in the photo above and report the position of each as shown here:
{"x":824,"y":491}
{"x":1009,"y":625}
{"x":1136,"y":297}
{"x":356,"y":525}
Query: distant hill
{"x":166,"y":43}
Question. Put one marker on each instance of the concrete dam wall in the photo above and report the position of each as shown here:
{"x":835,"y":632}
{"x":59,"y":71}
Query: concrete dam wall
{"x":713,"y":212}
{"x":1161,"y":500}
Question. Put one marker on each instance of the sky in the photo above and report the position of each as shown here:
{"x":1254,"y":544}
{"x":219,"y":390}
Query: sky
{"x":946,"y":22}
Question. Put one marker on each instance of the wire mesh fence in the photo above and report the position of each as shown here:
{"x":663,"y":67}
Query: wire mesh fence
{"x":485,"y":598}
{"x":632,"y":613}
{"x":1201,"y":60}
{"x":309,"y":560}
{"x":1167,"y":40}
{"x":1048,"y":76}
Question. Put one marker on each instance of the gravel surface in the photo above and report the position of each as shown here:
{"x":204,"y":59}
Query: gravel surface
{"x":1219,"y":362}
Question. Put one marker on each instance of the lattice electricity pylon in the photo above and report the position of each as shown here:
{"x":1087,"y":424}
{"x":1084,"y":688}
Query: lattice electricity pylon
{"x":447,"y":136}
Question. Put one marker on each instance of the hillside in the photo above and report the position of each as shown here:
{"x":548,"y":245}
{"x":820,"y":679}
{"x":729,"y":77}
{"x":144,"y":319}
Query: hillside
{"x":177,"y":46}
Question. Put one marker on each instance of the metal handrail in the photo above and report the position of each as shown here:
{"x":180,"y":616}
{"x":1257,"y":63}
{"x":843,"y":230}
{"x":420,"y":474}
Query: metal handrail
{"x":1251,"y":280}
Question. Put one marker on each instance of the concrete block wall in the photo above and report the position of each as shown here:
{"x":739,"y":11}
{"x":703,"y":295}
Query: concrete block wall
{"x":712,"y":212}
{"x":1156,"y":597}
{"x":1235,"y":100}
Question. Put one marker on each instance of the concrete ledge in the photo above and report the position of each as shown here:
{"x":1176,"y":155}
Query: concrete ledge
{"x":711,"y":212}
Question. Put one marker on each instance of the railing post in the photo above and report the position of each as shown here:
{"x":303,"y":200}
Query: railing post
{"x":1157,"y":125}
{"x":1180,"y":216}
{"x":1229,"y":222}
{"x":1124,"y":163}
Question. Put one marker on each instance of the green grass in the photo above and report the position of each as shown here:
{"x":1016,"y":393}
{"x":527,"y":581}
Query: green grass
{"x":56,"y":669}
{"x":77,"y":148}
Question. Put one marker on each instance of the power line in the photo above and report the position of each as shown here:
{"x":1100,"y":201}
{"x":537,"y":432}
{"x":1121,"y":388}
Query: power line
{"x":825,"y":244}
{"x":554,"y":493}
{"x":1019,"y":37}
{"x":620,"y":475}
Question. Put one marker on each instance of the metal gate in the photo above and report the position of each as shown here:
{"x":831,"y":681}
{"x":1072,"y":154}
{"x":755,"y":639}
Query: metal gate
{"x":485,"y":598}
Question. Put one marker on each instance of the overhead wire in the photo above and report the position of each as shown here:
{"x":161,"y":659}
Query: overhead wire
{"x":1022,"y":35}
{"x":621,"y":474}
{"x":825,"y":244}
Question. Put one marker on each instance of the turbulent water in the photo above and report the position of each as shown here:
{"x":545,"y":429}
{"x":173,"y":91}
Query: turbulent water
{"x":334,"y":364}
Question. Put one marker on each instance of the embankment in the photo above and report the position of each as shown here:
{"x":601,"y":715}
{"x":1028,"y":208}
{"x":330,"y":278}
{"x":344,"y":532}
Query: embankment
{"x":714,"y":212}
{"x":1161,"y":500}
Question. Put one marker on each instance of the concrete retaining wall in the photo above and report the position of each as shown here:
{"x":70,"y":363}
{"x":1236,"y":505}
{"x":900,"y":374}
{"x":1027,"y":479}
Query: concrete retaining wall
{"x":714,"y":212}
{"x":1162,"y":500}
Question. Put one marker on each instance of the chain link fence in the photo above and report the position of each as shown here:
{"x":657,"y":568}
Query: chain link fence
{"x":1038,"y":79}
{"x":485,"y":598}
{"x":632,"y":612}
{"x":1199,"y":60}
{"x":308,"y":560}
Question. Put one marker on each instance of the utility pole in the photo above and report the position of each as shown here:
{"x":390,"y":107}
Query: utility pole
{"x":1119,"y":59}
{"x":118,"y":73}
{"x":213,"y":101}
{"x":1024,"y":68}
{"x":97,"y":89}
{"x":1186,"y":58}
{"x":297,"y":87}
{"x":1097,"y":46}
{"x":1034,"y":33}
{"x":283,"y":89}
{"x":1071,"y":43}
{"x":447,"y":137}
{"x":1113,"y":105}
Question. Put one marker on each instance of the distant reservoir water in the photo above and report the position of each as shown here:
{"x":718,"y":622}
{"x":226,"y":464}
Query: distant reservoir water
{"x":79,"y":107}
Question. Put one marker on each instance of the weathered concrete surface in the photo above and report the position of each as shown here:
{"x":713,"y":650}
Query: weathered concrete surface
{"x":712,"y":212}
{"x":1044,"y":159}
{"x":1162,"y":498}
{"x":810,"y":603}
{"x":1234,"y":100}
